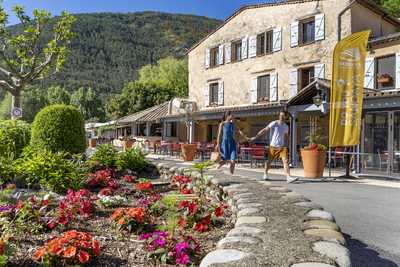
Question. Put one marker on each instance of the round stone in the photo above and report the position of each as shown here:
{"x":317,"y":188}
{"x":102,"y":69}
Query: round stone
{"x":245,"y":231}
{"x":250,"y":220}
{"x":321,"y":224}
{"x":222,"y":256}
{"x":312,"y":264}
{"x":238,"y":239}
{"x":320,"y":214}
{"x":248,"y":211}
{"x":327,"y":235}
{"x":242,"y":195}
{"x":249,"y":205}
{"x":339,"y":253}
{"x":311,"y":205}
{"x":245,"y":200}
{"x":280,"y":189}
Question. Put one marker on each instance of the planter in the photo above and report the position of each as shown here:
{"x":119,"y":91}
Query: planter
{"x":92,"y":142}
{"x":189,"y":151}
{"x":313,"y":163}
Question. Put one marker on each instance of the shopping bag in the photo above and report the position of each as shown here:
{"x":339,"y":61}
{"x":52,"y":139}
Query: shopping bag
{"x":215,"y":157}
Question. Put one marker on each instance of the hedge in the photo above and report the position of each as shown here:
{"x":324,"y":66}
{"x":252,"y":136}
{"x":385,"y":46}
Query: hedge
{"x":14,"y":136}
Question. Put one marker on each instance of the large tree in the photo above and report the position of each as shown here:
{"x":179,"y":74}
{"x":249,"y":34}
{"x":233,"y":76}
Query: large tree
{"x":23,"y":56}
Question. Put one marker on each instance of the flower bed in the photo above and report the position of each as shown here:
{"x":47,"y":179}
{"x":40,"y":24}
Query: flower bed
{"x":115,"y":219}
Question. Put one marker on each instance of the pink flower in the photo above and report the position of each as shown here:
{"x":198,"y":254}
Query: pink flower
{"x":182,"y":259}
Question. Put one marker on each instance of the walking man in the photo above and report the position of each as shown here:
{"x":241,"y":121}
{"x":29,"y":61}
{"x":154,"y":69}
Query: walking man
{"x":278,"y":145}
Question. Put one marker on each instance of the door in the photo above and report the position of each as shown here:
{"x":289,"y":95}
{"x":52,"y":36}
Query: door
{"x":375,"y":157}
{"x":396,"y":145}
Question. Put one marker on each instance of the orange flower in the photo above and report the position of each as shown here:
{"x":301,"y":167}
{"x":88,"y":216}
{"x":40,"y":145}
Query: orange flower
{"x":136,"y":213}
{"x":39,"y":254}
{"x":96,"y":247}
{"x":117,"y":213}
{"x":70,"y":252}
{"x":55,"y":249}
{"x":71,"y":234}
{"x":83,"y":256}
{"x":121,"y":221}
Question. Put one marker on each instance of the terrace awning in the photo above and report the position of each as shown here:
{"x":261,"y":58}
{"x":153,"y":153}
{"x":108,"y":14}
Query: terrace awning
{"x":152,"y":114}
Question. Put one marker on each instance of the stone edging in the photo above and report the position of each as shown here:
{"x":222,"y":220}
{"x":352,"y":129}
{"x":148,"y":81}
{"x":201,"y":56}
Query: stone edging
{"x":319,"y":224}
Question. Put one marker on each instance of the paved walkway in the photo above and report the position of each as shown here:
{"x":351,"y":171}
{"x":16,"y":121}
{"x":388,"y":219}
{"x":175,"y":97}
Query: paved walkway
{"x":368,"y":211}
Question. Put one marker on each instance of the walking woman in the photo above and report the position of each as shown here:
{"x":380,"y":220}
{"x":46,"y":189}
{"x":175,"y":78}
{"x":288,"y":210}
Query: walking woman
{"x":226,"y":143}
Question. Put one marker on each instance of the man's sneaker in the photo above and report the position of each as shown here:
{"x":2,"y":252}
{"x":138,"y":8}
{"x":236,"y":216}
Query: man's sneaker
{"x":265,"y":176}
{"x":290,"y":180}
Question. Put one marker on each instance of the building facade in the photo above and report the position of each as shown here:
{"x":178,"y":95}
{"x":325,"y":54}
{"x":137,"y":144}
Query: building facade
{"x":264,"y":55}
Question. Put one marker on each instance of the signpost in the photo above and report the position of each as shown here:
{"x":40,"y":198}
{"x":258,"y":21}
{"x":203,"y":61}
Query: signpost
{"x":16,"y":113}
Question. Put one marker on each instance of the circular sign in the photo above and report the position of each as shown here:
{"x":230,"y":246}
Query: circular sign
{"x":16,"y":112}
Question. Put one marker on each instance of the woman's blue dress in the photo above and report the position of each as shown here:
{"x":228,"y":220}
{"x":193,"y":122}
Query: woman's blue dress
{"x":228,"y":144}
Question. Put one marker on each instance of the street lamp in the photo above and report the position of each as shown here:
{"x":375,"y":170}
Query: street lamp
{"x":317,"y":100}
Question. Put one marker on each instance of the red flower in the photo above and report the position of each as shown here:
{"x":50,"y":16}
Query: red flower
{"x":63,"y":220}
{"x":182,"y":222}
{"x":96,"y":247}
{"x":144,"y":186}
{"x":106,"y":191}
{"x":83,"y":256}
{"x":203,"y":225}
{"x":219,"y":211}
{"x":113,"y":184}
{"x":129,"y":178}
{"x":186,"y":191}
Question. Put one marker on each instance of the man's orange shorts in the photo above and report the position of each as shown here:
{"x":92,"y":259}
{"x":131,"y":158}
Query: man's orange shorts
{"x":277,"y":152}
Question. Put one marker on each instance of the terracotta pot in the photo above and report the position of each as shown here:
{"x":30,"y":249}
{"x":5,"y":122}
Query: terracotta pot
{"x":313,"y":163}
{"x":188,"y":151}
{"x":92,"y":142}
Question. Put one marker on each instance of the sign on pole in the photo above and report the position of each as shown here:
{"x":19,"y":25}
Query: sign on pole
{"x":16,"y":112}
{"x":347,"y":90}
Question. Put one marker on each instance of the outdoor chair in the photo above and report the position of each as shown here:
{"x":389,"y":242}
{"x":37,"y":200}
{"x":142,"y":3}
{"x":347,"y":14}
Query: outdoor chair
{"x":257,"y":155}
{"x":338,"y":156}
{"x":175,"y":150}
{"x":383,"y":159}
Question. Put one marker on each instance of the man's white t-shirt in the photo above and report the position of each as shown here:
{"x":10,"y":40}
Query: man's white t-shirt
{"x":278,"y":131}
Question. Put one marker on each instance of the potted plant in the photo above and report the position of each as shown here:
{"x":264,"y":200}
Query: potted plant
{"x":188,"y":149}
{"x":314,"y":156}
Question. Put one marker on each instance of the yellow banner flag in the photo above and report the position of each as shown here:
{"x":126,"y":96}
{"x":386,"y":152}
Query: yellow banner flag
{"x":347,"y":90}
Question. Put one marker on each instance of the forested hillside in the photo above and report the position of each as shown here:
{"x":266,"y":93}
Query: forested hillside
{"x":109,"y":48}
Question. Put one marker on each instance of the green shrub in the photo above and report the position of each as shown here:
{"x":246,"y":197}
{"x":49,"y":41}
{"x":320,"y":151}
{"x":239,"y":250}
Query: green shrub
{"x":54,"y":171}
{"x":7,"y":170}
{"x":14,"y":136}
{"x":133,"y":159}
{"x":105,"y":156}
{"x":59,"y":128}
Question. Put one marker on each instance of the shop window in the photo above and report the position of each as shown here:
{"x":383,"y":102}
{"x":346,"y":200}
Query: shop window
{"x":385,"y":72}
{"x":307,"y":31}
{"x":265,"y":43}
{"x":214,"y":53}
{"x":155,"y":129}
{"x":212,"y":132}
{"x":263,"y":88}
{"x":214,"y":94}
{"x":236,"y":51}
{"x":306,"y":76}
{"x":171,"y":130}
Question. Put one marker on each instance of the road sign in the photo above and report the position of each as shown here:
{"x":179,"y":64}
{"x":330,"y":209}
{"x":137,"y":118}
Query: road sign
{"x":16,"y":112}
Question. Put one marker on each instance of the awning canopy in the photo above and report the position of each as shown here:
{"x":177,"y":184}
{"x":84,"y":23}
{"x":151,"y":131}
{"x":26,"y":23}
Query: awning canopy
{"x":152,"y":114}
{"x":216,"y":113}
{"x":305,"y":96}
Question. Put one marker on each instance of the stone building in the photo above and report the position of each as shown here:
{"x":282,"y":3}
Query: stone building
{"x":272,"y":56}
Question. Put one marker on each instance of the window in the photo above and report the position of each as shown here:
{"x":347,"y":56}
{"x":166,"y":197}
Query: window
{"x":214,"y":52}
{"x":213,"y":93}
{"x":236,"y":51}
{"x":212,"y":132}
{"x":263,"y":88}
{"x":307,"y":31}
{"x":171,"y":129}
{"x":265,"y":43}
{"x":385,"y":72}
{"x":306,"y":76}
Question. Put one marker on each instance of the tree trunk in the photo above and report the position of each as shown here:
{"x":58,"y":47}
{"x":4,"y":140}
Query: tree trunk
{"x":15,"y":102}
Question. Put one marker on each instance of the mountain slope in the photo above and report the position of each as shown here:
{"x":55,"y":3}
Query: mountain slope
{"x":109,"y":48}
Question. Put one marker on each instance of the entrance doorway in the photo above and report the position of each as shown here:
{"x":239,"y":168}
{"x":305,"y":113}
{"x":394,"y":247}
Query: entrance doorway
{"x":380,"y":147}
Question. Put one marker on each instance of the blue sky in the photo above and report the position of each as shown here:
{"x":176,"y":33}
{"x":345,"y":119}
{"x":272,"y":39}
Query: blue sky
{"x":219,"y":9}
